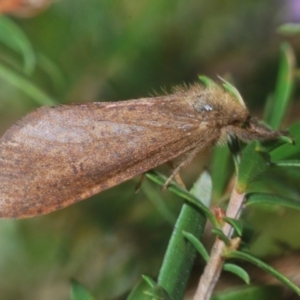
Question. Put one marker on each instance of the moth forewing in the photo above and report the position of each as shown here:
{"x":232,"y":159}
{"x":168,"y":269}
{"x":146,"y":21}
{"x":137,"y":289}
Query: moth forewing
{"x":57,"y":156}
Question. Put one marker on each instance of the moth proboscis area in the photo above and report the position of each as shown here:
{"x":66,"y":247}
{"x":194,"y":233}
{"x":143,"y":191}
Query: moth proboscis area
{"x":56,"y":156}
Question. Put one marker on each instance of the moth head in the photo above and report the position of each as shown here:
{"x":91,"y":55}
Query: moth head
{"x":243,"y":126}
{"x":222,"y":109}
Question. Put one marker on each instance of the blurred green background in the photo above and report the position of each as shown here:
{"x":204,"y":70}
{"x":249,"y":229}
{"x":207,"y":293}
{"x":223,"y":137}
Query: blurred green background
{"x":105,"y":50}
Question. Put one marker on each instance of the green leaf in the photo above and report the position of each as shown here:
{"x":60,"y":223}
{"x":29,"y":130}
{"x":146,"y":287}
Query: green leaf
{"x":202,"y":188}
{"x":221,"y":235}
{"x":79,"y":292}
{"x":149,"y":281}
{"x":285,"y":82}
{"x":180,"y":254}
{"x":156,"y":198}
{"x":148,"y":289}
{"x":178,"y":190}
{"x":13,"y":37}
{"x":197,"y":244}
{"x":220,"y":170}
{"x":26,"y":86}
{"x":240,"y":272}
{"x":271,"y":145}
{"x":263,"y":198}
{"x":251,"y":293}
{"x":236,"y":224}
{"x":250,"y":258}
{"x":157,"y":293}
{"x":287,"y":163}
{"x":289,"y":29}
{"x":253,"y":163}
{"x":285,"y":184}
{"x":138,"y":292}
{"x":288,"y":150}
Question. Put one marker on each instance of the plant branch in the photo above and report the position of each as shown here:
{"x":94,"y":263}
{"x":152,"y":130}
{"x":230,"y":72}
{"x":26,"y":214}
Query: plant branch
{"x":214,"y":266}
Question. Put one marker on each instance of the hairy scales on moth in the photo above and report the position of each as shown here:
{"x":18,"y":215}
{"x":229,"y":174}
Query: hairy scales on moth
{"x":56,"y":156}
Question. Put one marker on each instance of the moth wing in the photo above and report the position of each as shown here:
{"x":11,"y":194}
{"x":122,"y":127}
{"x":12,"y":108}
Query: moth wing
{"x":57,"y":156}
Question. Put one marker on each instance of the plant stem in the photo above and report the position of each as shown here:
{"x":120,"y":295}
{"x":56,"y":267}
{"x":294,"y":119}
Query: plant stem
{"x":214,"y":266}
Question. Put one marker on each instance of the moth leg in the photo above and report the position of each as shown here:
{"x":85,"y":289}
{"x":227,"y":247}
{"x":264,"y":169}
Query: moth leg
{"x":179,"y":180}
{"x":185,"y":161}
{"x":176,"y":176}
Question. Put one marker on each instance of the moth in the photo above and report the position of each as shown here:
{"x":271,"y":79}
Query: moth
{"x":56,"y":156}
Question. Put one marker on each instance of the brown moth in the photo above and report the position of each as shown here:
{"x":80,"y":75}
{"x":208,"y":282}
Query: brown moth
{"x":57,"y":156}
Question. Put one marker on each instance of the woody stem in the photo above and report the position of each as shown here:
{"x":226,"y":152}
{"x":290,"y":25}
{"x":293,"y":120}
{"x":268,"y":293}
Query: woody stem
{"x":214,"y":266}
